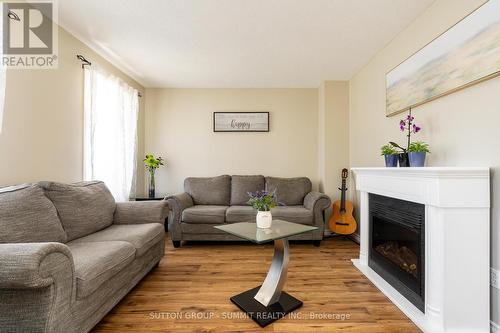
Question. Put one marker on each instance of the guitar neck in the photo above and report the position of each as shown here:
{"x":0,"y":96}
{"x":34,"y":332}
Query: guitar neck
{"x":342,"y":196}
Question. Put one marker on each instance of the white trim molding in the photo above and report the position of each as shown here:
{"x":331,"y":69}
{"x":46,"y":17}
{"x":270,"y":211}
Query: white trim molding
{"x":457,"y":277}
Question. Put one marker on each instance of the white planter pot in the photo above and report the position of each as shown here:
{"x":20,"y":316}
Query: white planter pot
{"x":264,"y":220}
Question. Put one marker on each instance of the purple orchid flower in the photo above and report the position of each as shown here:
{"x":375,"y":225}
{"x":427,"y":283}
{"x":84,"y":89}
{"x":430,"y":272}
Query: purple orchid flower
{"x":407,"y":125}
{"x":402,"y":125}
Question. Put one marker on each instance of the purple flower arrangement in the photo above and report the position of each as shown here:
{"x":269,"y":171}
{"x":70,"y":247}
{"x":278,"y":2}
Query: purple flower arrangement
{"x":263,"y":200}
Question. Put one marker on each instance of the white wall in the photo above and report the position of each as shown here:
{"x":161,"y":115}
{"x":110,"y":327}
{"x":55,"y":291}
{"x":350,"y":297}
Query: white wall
{"x":42,"y":136}
{"x":179,"y":126}
{"x":461,"y":128}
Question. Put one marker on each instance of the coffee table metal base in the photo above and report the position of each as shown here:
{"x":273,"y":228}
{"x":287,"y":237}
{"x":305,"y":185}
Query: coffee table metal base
{"x":265,"y":315}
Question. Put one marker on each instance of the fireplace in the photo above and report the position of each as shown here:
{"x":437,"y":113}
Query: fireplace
{"x":455,"y":286}
{"x":397,"y":245}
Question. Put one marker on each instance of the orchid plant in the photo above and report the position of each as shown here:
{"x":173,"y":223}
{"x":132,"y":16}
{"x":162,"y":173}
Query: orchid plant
{"x":263,"y":201}
{"x":407,"y":125}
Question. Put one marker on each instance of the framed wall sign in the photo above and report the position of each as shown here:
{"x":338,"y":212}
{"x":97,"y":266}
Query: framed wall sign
{"x":241,"y":121}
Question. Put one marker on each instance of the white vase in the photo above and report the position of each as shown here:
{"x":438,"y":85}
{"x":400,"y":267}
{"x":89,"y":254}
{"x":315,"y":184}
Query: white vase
{"x":264,"y":219}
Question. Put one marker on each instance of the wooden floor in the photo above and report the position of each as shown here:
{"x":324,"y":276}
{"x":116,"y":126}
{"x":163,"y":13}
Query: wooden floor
{"x":190,"y":290}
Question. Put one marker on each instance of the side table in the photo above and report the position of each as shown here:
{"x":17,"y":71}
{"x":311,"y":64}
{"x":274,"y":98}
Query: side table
{"x":268,"y":302}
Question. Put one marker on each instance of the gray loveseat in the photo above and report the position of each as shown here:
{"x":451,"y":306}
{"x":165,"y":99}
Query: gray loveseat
{"x":208,"y":202}
{"x":69,"y":253}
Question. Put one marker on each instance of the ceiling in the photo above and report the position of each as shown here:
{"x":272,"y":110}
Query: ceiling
{"x":238,"y":43}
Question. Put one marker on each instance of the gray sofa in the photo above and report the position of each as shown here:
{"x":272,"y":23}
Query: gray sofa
{"x":69,"y":254}
{"x":212,"y":201}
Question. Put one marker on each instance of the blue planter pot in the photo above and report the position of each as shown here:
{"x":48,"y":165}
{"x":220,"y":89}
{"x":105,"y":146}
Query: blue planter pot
{"x":417,"y":159}
{"x":391,"y":161}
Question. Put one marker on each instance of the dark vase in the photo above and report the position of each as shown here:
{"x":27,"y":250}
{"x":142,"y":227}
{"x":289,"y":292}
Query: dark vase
{"x":391,"y":161}
{"x":417,"y":159}
{"x":403,"y":160}
{"x":151,"y":190}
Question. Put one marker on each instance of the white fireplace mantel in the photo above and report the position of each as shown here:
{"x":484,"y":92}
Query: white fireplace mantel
{"x":457,"y":242}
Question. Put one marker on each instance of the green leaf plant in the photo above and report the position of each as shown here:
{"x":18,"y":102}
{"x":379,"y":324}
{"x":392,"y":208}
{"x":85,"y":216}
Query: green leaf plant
{"x":388,"y":149}
{"x":418,"y":147}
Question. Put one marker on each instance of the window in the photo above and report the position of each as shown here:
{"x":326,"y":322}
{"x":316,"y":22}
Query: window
{"x":110,"y":132}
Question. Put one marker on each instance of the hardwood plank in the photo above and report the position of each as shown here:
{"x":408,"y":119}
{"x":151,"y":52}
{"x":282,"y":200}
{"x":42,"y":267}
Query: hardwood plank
{"x":190,"y":290}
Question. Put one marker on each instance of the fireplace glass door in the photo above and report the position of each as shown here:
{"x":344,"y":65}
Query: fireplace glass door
{"x":397,"y":245}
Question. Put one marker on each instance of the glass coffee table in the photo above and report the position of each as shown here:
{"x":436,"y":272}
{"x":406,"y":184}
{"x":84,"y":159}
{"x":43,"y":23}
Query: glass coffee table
{"x":268,"y":303}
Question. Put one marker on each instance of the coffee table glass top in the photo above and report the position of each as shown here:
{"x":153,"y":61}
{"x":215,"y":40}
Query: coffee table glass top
{"x":279,"y":229}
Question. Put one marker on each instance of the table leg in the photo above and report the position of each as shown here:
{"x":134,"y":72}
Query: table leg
{"x":268,"y":302}
{"x":270,"y":291}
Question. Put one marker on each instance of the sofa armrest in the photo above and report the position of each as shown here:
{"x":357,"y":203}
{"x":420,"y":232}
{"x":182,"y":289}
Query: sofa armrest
{"x":37,"y":287}
{"x":177,"y":204}
{"x":316,"y":200}
{"x":139,"y":212}
{"x":32,"y":265}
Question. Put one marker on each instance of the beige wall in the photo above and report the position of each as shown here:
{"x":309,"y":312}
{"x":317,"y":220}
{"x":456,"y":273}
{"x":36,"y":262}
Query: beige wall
{"x":42,"y":134}
{"x":179,"y":127}
{"x":333,"y":135}
{"x":462,"y":128}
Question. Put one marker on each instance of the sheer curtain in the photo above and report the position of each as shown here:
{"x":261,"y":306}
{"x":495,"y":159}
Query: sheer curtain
{"x":110,"y":132}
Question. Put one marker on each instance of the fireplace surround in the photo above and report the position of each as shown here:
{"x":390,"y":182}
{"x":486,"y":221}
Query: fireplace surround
{"x":454,"y":257}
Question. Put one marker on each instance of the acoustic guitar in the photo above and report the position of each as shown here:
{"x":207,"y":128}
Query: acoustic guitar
{"x":342,"y":221}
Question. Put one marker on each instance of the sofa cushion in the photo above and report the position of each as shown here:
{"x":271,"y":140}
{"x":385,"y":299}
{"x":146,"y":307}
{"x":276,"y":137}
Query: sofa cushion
{"x":204,"y":214}
{"x":83,"y":208}
{"x":297,"y":214}
{"x":28,"y":216}
{"x":209,"y":190}
{"x":97,"y":262}
{"x":240,"y":214}
{"x":141,"y":236}
{"x":241,"y":185}
{"x":290,"y":191}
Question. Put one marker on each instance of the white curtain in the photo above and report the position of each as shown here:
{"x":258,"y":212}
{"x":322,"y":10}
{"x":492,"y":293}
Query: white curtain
{"x":110,"y":136}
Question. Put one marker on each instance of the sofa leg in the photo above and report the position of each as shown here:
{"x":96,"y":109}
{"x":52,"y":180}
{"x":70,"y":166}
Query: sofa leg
{"x":316,"y":243}
{"x":176,"y":244}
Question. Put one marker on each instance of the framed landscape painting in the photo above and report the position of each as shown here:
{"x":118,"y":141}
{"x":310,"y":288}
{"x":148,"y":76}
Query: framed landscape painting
{"x":467,"y":53}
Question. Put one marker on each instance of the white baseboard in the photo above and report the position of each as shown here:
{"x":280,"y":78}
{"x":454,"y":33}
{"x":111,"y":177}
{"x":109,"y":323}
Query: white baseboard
{"x":495,"y":328}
